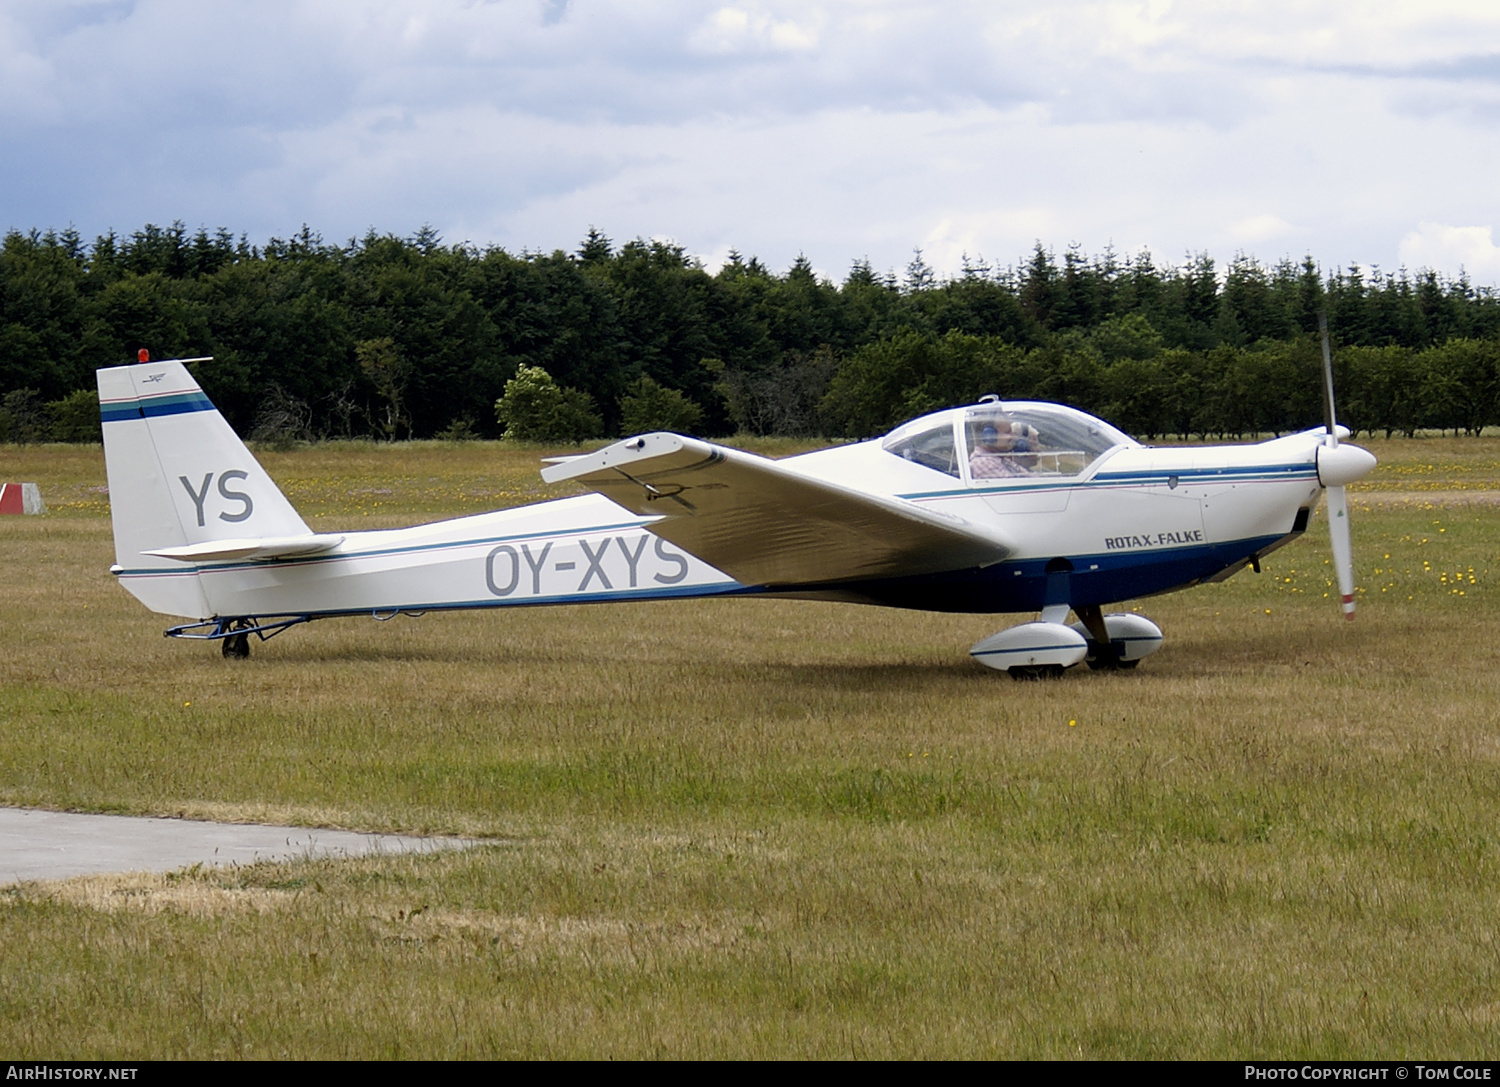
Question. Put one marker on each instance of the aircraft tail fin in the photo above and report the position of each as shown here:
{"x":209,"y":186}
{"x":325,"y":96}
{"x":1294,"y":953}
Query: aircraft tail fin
{"x":179,"y":476}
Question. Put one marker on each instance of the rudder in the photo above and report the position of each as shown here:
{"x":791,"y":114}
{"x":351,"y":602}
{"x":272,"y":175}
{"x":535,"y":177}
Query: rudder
{"x":178,"y":475}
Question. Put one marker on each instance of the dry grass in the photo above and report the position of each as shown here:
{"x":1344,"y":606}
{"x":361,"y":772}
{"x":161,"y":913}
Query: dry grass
{"x":755,"y":828}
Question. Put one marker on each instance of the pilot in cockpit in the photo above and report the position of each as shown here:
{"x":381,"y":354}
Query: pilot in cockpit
{"x":1004,"y":449}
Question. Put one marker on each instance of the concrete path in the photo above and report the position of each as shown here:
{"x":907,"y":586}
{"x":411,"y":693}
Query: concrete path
{"x":56,"y":845}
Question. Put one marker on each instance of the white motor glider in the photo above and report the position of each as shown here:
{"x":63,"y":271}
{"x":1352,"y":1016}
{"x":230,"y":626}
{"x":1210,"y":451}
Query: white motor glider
{"x":995,"y":507}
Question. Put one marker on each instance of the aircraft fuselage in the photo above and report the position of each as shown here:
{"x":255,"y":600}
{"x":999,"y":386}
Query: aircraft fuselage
{"x":1138,"y":521}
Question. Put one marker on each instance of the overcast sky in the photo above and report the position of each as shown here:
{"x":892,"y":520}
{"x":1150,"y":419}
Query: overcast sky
{"x":1358,"y":132}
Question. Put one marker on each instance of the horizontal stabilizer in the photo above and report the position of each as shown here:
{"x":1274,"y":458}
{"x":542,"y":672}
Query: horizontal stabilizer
{"x":765,"y":523}
{"x":267,"y":548}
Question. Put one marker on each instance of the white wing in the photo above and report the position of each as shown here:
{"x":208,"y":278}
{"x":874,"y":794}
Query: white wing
{"x":766,"y":524}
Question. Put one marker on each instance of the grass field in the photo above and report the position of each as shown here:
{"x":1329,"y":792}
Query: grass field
{"x":739,"y":828}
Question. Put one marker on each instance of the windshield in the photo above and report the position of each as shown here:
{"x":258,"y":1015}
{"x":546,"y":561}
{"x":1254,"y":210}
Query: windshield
{"x":930,"y":445}
{"x":1023,"y":438}
{"x":1006,"y":441}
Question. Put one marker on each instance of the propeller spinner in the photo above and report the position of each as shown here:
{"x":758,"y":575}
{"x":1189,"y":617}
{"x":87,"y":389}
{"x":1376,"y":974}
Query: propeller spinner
{"x":1339,"y":466}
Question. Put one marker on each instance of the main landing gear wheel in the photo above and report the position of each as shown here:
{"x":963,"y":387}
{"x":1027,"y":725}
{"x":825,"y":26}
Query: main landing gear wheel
{"x":1118,"y":641}
{"x":1042,"y":650}
{"x":1108,"y":656}
{"x":236,"y":647}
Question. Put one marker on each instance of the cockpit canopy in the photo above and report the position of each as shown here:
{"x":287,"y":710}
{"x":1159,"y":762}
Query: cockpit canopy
{"x":1022,"y":439}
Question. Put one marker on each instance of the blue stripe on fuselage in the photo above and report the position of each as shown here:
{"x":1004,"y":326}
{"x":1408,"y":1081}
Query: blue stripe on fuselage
{"x":1145,"y":477}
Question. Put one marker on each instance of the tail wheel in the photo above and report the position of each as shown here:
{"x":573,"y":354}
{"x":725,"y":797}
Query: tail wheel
{"x":236,"y":647}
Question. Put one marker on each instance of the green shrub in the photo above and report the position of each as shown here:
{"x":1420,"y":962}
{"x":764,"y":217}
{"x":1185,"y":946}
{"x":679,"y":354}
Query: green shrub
{"x":648,"y":406}
{"x":535,"y":409}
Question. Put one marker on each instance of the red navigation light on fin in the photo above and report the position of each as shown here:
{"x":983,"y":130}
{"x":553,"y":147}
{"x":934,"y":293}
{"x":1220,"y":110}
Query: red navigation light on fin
{"x":143,"y":355}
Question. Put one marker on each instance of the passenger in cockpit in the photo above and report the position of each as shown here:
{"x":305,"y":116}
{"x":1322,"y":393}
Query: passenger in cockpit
{"x":1005,"y":449}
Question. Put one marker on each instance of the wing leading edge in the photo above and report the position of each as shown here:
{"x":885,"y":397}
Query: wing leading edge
{"x":764,"y":523}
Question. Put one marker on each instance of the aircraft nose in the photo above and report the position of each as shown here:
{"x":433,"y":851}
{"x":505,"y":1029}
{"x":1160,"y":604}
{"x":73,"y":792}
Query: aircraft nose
{"x":1343,"y":464}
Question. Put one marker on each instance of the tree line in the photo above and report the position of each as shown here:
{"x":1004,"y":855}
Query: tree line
{"x":411,"y":337}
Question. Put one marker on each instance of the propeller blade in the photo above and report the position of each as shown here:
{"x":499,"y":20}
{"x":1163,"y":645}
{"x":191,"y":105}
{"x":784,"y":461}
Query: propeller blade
{"x":1343,"y":551}
{"x":1338,"y":498}
{"x":1328,"y":421}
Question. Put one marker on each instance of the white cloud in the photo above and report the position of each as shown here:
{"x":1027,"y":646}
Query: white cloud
{"x":1451,"y":249}
{"x":972,"y":235}
{"x":842,"y":129}
{"x":732,"y":30}
{"x":1259,"y":228}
